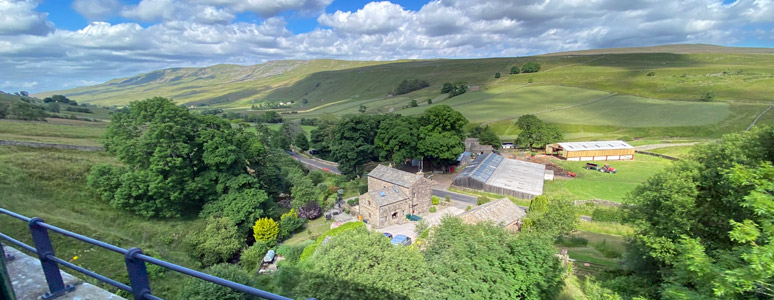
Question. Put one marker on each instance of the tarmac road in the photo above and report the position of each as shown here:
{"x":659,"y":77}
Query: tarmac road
{"x":314,"y":163}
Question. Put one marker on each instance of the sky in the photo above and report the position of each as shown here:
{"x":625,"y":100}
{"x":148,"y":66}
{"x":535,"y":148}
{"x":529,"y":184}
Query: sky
{"x":57,"y":44}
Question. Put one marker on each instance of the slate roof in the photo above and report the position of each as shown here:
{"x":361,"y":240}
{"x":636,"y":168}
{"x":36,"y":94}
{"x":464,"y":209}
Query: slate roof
{"x":394,"y":176}
{"x":503,"y":212}
{"x":388,"y":195}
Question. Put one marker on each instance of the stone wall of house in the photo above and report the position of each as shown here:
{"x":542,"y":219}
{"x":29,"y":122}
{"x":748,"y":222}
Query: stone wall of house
{"x":390,"y":214}
{"x":368,"y":208}
{"x":420,"y":195}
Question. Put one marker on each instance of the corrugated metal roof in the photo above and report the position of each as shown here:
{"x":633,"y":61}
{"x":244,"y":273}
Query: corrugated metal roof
{"x":496,"y":171}
{"x":394,"y":176}
{"x":598,"y":145}
{"x":503,"y":212}
{"x":387,"y":195}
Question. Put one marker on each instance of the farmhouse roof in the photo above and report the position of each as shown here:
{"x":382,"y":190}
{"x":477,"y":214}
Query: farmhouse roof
{"x":503,"y":176}
{"x":388,"y":195}
{"x":503,"y":212}
{"x":394,"y":176}
{"x":599,"y":145}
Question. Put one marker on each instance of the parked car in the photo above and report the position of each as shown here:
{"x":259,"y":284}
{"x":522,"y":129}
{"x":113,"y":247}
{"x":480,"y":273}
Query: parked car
{"x":387,"y":234}
{"x":401,"y":240}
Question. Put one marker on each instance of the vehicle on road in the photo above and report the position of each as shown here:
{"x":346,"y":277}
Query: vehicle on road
{"x":401,"y":240}
{"x":387,"y":234}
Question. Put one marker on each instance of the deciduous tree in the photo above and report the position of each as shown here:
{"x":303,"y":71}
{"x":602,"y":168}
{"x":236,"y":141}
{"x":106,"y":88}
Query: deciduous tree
{"x":266,"y":230}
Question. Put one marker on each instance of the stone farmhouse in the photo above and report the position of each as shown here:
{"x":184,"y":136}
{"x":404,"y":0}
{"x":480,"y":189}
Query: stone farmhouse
{"x":392,"y":194}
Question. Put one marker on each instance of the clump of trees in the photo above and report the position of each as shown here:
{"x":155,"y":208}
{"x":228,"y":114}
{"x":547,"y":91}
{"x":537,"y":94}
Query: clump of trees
{"x":486,"y":136}
{"x":530,"y":67}
{"x":407,"y":86}
{"x":704,"y":226}
{"x":60,"y":99}
{"x":515,"y":70}
{"x":454,"y":89}
{"x":536,"y":133}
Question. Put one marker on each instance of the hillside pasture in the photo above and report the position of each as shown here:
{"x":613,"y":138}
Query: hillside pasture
{"x":55,"y":131}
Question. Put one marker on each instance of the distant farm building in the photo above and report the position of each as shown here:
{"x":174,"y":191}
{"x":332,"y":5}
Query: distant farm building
{"x":584,"y":151}
{"x":392,"y":194}
{"x":496,"y":174}
{"x":472,"y":145}
{"x":507,"y":145}
{"x":502,"y":212}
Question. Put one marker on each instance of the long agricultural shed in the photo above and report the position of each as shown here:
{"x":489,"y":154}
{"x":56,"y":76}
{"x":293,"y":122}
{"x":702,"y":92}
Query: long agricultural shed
{"x":585,"y":151}
{"x":495,"y":174}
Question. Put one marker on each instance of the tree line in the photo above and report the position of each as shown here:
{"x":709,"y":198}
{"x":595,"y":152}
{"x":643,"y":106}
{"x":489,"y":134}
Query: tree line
{"x":408,"y":86}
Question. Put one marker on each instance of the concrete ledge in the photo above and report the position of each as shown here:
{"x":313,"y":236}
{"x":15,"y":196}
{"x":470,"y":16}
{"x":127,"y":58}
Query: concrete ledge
{"x":30,"y":284}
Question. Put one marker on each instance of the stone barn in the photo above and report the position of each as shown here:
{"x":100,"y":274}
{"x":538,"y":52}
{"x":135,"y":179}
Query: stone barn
{"x":502,"y":212}
{"x":392,"y":194}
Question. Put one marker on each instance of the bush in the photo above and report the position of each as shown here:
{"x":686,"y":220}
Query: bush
{"x":266,"y":230}
{"x":572,"y":241}
{"x":353,"y":202}
{"x":429,"y":101}
{"x":447,"y":198}
{"x":432,"y":209}
{"x":197,"y":289}
{"x":497,"y":75}
{"x":515,"y":70}
{"x":217,"y":243}
{"x":530,"y":80}
{"x":607,"y":250}
{"x":435,"y":200}
{"x":413,"y":103}
{"x":615,"y":215}
{"x":310,"y":211}
{"x":651,"y":74}
{"x":252,"y":256}
{"x":78,"y":109}
{"x":289,"y":224}
{"x":708,"y":96}
{"x":309,"y":250}
{"x":482,"y":200}
{"x":292,"y":253}
{"x":467,"y":208}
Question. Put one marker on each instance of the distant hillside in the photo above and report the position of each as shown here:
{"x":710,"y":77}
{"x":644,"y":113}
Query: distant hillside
{"x":734,"y":73}
{"x":676,"y":49}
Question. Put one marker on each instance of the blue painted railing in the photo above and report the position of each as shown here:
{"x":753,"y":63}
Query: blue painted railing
{"x":134,"y":259}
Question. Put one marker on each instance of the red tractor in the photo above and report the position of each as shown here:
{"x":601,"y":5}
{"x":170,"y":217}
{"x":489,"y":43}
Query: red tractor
{"x":607,"y":169}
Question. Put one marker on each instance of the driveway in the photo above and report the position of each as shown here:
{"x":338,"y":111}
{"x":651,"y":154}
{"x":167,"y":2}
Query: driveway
{"x":455,"y":196}
{"x":432,"y":219}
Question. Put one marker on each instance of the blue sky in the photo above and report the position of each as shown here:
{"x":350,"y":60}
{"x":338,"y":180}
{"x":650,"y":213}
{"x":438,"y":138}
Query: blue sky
{"x":57,"y":44}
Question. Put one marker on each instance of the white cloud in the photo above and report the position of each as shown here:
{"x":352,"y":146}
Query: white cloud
{"x":204,"y":32}
{"x":20,"y":17}
{"x":96,"y":9}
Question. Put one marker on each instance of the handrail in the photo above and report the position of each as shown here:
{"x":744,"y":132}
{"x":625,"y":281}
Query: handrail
{"x":135,"y":263}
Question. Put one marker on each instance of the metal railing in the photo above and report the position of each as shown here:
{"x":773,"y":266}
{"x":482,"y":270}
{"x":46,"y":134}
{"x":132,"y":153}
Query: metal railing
{"x":135,"y":264}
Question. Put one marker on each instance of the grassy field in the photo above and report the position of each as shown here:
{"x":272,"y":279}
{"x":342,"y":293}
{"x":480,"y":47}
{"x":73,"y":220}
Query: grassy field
{"x":305,"y":128}
{"x":311,"y":231}
{"x":679,"y":151}
{"x":590,"y":184}
{"x":56,"y":131}
{"x":50,"y":183}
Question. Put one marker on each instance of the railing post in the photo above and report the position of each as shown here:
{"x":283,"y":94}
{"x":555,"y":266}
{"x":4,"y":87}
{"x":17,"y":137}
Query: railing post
{"x":6,"y":289}
{"x":56,"y":286}
{"x":138,"y":274}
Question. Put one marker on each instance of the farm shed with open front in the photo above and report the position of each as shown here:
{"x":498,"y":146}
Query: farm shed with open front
{"x":496,"y":174}
{"x":599,"y":150}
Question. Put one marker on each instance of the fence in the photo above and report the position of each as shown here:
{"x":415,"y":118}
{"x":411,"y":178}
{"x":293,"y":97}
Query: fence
{"x":135,"y":264}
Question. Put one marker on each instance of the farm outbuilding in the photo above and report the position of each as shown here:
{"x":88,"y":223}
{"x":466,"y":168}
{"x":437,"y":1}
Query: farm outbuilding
{"x":496,"y":174}
{"x":585,"y":151}
{"x":501,"y":212}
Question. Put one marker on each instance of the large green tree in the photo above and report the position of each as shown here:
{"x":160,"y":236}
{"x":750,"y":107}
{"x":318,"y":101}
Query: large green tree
{"x":486,"y":136}
{"x":301,"y":142}
{"x":536,"y":133}
{"x":704,"y":226}
{"x":353,"y":142}
{"x":175,"y":162}
{"x":396,"y":139}
{"x":364,"y":265}
{"x":485,"y":261}
{"x":441,"y":134}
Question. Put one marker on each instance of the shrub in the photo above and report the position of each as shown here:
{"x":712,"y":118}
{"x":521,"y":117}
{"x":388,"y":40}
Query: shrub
{"x":292,"y":253}
{"x":530,"y":80}
{"x":651,"y":74}
{"x":429,"y":101}
{"x":197,"y":289}
{"x":615,"y":215}
{"x":708,"y":96}
{"x":607,"y":250}
{"x":497,"y":75}
{"x":467,"y":208}
{"x":252,"y":256}
{"x":435,"y":200}
{"x":353,"y":202}
{"x":447,"y":198}
{"x":482,"y":200}
{"x":217,"y":243}
{"x":432,"y":209}
{"x":515,"y":70}
{"x":309,"y":250}
{"x":572,"y":241}
{"x":266,"y":230}
{"x":289,"y":224}
{"x":310,"y":211}
{"x":413,"y":103}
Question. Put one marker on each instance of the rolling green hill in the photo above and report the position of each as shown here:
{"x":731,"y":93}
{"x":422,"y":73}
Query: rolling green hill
{"x":603,"y":93}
